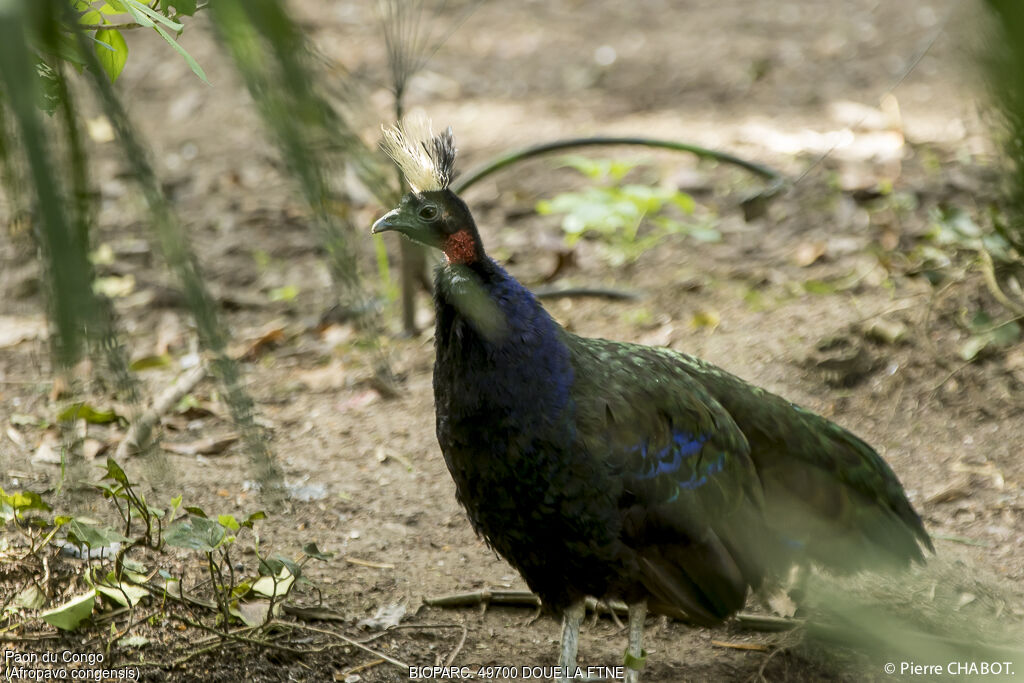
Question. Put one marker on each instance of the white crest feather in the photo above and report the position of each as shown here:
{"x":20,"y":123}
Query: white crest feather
{"x":425,"y":160}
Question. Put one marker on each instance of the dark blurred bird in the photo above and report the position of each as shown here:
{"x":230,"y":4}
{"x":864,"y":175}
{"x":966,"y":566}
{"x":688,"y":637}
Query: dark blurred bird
{"x":613,"y":470}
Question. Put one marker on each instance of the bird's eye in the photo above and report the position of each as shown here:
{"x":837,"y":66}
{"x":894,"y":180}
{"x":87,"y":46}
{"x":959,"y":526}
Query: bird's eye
{"x":428,"y":213}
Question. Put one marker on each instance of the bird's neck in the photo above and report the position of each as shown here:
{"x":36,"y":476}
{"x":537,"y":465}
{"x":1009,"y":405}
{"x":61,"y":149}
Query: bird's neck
{"x":493,"y":333}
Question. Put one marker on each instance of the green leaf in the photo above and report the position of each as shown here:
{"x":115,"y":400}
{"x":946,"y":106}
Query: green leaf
{"x":112,"y":52}
{"x":71,"y":614}
{"x":273,"y":566}
{"x":183,"y":7}
{"x":684,"y":202}
{"x":196,"y":510}
{"x":286,"y":293}
{"x":84,"y":411}
{"x":90,"y":17}
{"x":93,"y":537}
{"x":137,"y":9}
{"x":147,"y":362}
{"x":253,"y":613}
{"x":124,"y":594}
{"x":25,"y":500}
{"x":1007,"y":334}
{"x":31,"y":597}
{"x":189,"y":59}
{"x":254,"y":517}
{"x":274,"y":586}
{"x":820,"y":287}
{"x":115,"y":473}
{"x":195,"y":533}
{"x":311,"y":550}
{"x":646,"y":199}
{"x":595,"y":169}
{"x":228,"y":522}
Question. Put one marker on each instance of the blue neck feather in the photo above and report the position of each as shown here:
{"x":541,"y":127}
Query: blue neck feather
{"x":498,"y":346}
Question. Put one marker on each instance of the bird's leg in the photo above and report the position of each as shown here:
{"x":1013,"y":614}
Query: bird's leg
{"x":572,"y":617}
{"x":635,"y":655}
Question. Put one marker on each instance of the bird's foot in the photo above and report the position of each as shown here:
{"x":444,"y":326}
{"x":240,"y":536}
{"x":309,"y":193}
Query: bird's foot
{"x":635,"y":656}
{"x":571,"y":619}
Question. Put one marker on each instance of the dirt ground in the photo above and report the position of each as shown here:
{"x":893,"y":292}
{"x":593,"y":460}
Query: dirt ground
{"x":821,"y":300}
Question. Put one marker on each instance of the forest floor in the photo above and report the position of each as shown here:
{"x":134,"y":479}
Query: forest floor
{"x":839,"y":297}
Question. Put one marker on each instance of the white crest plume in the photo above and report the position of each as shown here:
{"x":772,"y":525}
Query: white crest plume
{"x":426,"y":160}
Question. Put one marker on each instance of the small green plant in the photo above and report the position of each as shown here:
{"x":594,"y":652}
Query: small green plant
{"x":114,"y":579}
{"x":987,"y":334}
{"x":629,"y":218}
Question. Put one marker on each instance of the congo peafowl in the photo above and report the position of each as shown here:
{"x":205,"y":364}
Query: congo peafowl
{"x":613,"y":470}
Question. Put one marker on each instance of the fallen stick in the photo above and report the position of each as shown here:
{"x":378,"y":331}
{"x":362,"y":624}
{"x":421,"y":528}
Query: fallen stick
{"x":744,"y":620}
{"x":140,"y":430}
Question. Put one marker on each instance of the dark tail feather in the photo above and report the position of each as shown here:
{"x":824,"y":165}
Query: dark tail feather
{"x":701,"y":579}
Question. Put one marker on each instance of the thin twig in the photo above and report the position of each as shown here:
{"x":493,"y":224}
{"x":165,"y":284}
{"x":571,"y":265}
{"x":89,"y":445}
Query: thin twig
{"x":458,"y":647}
{"x":361,"y":667}
{"x":949,"y":376}
{"x":369,"y":563}
{"x":126,"y":26}
{"x":350,"y":641}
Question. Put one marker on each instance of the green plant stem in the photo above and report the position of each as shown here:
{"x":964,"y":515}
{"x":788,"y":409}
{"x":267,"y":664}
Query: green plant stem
{"x":480,"y":172}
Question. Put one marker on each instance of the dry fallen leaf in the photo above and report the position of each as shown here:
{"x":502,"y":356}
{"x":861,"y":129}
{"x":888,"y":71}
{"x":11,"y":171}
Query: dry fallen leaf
{"x":15,"y":436}
{"x":15,"y":330}
{"x":47,"y":451}
{"x":807,"y":253}
{"x":267,"y":338}
{"x":386,"y":616}
{"x":213,"y":445}
{"x":324,"y":378}
{"x":336,"y":335}
{"x":885,"y":331}
{"x":93,"y":447}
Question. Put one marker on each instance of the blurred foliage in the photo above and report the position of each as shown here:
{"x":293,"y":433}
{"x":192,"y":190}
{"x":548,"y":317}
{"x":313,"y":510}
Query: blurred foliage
{"x":84,"y":318}
{"x":318,"y":142}
{"x":1005,"y":62}
{"x":615,"y":210}
{"x":934,"y":614}
{"x":104,"y":23}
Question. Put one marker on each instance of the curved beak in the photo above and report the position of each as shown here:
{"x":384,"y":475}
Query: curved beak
{"x":389,"y":221}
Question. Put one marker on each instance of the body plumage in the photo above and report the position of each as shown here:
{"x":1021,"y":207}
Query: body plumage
{"x":614,"y":470}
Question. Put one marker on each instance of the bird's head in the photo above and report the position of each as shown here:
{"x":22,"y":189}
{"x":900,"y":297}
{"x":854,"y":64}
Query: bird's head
{"x":438,"y":219}
{"x":431,"y":214}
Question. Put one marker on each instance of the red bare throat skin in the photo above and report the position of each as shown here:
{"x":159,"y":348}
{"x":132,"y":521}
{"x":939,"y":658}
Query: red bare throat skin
{"x":460,"y":248}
